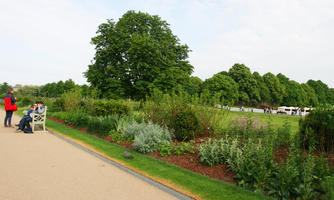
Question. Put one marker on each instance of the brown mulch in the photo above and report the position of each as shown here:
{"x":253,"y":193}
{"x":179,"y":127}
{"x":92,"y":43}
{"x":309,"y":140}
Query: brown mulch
{"x":191,"y":162}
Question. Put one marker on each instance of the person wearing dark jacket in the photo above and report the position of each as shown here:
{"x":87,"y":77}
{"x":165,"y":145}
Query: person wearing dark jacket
{"x":24,"y":122}
{"x":10,"y":107}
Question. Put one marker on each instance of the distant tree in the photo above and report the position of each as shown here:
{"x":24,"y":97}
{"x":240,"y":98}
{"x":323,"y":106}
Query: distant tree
{"x":222,"y":88}
{"x":293,"y":95}
{"x":4,"y":87}
{"x":321,"y":89}
{"x":277,"y":91}
{"x":309,"y":96}
{"x":264,"y":90}
{"x":68,"y":85}
{"x":248,"y":87}
{"x":135,"y":55}
{"x":331,"y":96}
{"x":193,"y":85}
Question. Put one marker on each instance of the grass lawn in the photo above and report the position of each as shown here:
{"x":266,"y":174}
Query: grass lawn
{"x":275,"y":120}
{"x":199,"y":185}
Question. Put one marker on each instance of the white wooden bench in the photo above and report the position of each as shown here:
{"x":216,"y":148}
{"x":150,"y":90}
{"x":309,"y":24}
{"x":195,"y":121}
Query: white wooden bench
{"x":38,"y":119}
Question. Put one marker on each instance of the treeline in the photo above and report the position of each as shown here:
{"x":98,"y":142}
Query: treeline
{"x":52,"y":90}
{"x":239,"y":85}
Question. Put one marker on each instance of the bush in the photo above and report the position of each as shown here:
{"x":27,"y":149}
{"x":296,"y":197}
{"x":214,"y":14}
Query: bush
{"x":58,"y":104}
{"x":72,"y":100}
{"x":102,"y":125}
{"x":111,"y":107}
{"x":299,"y":178}
{"x":147,"y":136}
{"x":186,"y":125}
{"x":25,"y":101}
{"x":328,"y":187}
{"x":77,"y":118}
{"x":251,"y":161}
{"x":317,"y":129}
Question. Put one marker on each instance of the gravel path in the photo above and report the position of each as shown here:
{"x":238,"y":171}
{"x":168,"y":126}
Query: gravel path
{"x":41,"y":166}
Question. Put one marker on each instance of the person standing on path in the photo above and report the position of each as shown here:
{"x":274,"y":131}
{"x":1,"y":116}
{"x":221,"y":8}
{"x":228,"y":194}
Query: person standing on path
{"x":10,"y":107}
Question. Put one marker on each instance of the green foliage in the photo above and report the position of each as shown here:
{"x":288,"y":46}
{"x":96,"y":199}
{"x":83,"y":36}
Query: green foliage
{"x":186,"y":125}
{"x":178,"y":149}
{"x":248,"y":86}
{"x":220,"y":89}
{"x":72,"y":100}
{"x":299,"y":178}
{"x":165,"y":149}
{"x":283,"y":137}
{"x":25,"y":101}
{"x":252,"y":162}
{"x":276,"y":89}
{"x":110,"y":107}
{"x":77,"y":118}
{"x":135,"y":55}
{"x":328,"y":187}
{"x":183,"y":148}
{"x":147,"y":136}
{"x":102,"y":125}
{"x":59,"y":105}
{"x":117,"y":137}
{"x":317,"y":129}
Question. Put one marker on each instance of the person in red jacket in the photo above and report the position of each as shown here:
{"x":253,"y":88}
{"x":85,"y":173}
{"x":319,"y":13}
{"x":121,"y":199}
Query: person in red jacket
{"x":10,"y":107}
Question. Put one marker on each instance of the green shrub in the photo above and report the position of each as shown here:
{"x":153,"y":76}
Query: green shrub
{"x":77,"y":118}
{"x":25,"y":101}
{"x":186,"y":125}
{"x":72,"y":100}
{"x":251,"y":161}
{"x":59,"y":104}
{"x":111,"y":107}
{"x":317,"y":129}
{"x":138,"y":116}
{"x":117,"y":137}
{"x":147,"y":136}
{"x":299,"y":178}
{"x":165,"y":149}
{"x":58,"y":115}
{"x":102,"y":125}
{"x":328,"y":187}
{"x":184,"y":147}
{"x":131,"y":129}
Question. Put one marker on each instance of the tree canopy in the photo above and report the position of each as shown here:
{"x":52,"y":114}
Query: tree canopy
{"x":135,"y":55}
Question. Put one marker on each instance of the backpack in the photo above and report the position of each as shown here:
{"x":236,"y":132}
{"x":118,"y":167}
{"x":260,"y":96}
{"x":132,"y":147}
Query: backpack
{"x":9,"y":105}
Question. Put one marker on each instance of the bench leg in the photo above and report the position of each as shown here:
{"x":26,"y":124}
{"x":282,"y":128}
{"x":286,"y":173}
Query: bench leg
{"x":33,"y":127}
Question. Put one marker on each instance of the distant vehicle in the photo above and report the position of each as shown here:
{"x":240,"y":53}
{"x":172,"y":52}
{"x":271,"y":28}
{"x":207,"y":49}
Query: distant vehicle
{"x":292,"y":110}
{"x":281,"y":112}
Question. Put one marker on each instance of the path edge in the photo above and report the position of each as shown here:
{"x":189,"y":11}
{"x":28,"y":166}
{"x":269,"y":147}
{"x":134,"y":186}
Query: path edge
{"x":150,"y":180}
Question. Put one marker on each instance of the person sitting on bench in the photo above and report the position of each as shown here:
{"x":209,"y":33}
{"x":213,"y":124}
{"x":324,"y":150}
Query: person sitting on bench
{"x":24,"y":122}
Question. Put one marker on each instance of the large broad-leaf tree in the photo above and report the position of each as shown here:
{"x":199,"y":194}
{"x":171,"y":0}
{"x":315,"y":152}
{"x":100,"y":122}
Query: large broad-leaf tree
{"x":222,"y":88}
{"x":277,"y":90}
{"x":135,"y":55}
{"x":249,"y":91}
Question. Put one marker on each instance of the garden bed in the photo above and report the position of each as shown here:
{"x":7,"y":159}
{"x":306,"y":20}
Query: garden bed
{"x":188,"y":161}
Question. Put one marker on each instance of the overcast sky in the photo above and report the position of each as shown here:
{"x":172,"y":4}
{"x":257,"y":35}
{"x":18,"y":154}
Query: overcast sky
{"x":45,"y":41}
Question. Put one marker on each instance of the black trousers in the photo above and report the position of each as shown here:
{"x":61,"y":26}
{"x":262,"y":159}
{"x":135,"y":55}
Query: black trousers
{"x":24,"y":122}
{"x":8,"y":117}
